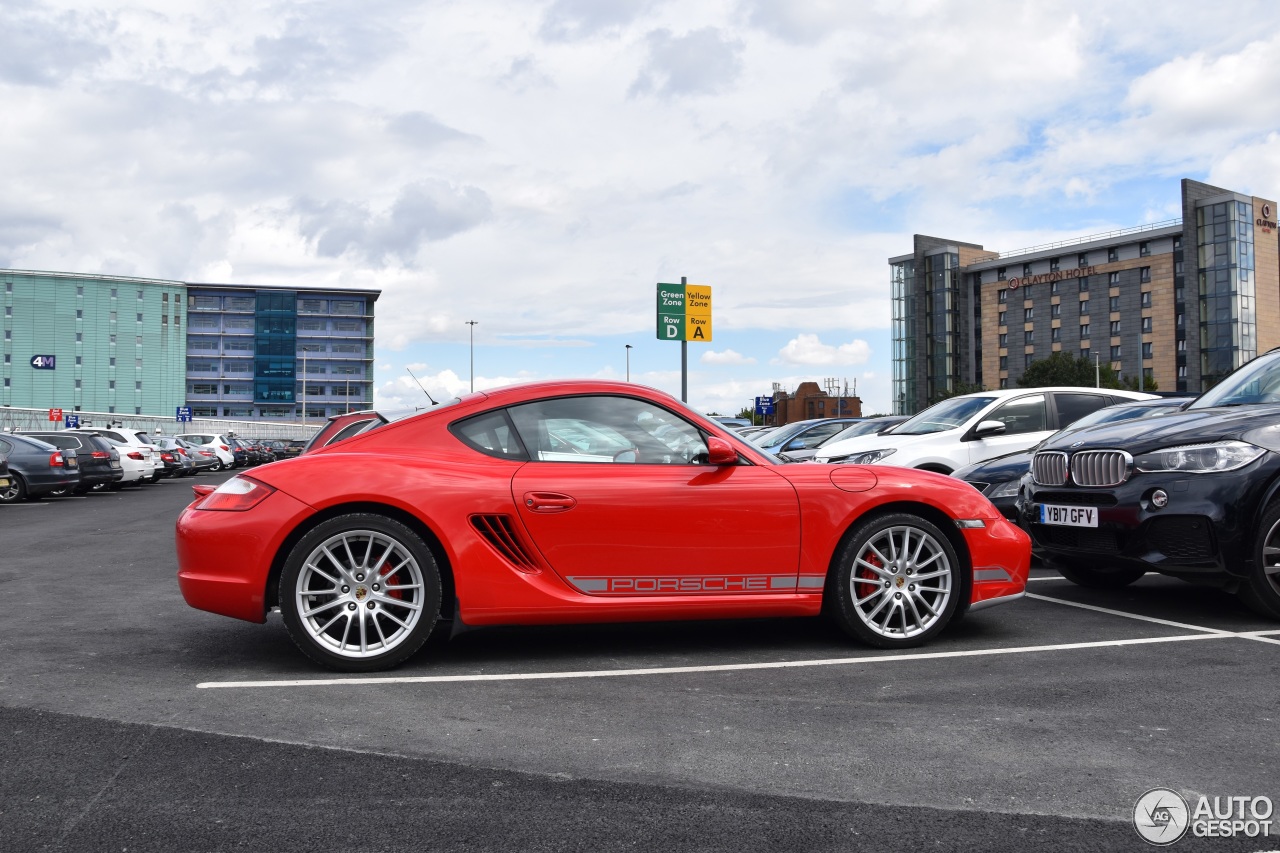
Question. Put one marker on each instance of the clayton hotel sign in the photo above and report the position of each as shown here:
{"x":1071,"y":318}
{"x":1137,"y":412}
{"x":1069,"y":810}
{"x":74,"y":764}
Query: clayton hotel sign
{"x":1056,"y":275}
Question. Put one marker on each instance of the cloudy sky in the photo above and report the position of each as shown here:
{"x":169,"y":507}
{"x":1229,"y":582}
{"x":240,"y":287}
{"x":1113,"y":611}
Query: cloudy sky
{"x":538,"y":167}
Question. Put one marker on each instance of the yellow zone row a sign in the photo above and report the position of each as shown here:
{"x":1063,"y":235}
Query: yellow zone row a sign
{"x":684,"y":312}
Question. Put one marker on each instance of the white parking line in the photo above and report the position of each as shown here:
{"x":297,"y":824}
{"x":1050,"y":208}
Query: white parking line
{"x":1246,"y":635}
{"x":735,"y":667}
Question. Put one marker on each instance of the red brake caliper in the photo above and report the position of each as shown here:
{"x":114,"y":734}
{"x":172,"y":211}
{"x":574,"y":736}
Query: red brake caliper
{"x":862,"y":590}
{"x":388,"y":574}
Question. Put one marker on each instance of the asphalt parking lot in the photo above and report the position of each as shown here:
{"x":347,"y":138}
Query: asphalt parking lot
{"x":136,"y":722}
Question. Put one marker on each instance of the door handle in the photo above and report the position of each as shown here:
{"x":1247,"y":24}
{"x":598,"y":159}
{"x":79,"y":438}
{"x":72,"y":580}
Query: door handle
{"x":548,"y":502}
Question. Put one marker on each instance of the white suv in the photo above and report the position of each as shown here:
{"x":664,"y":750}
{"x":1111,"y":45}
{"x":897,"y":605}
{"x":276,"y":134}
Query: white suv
{"x":975,"y":427}
{"x":217,"y":443}
{"x":152,"y":466}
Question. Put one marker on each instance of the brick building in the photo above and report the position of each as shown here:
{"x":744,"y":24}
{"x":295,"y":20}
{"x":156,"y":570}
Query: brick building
{"x":810,"y":401}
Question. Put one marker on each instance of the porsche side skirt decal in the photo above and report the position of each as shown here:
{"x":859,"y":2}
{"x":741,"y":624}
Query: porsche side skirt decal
{"x":693,"y":585}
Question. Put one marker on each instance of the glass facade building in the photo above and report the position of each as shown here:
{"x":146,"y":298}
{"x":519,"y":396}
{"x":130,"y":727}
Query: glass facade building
{"x":1178,"y":303}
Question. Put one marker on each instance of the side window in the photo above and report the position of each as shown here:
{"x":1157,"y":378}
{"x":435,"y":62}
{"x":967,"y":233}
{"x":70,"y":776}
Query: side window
{"x":1072,"y":407}
{"x":1025,"y":414}
{"x":491,"y":434}
{"x":816,"y":436}
{"x":607,"y":429}
{"x":5,"y":447}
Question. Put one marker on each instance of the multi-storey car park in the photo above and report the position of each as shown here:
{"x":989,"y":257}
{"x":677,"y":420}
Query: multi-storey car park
{"x":134,"y":346}
{"x":1181,"y":302}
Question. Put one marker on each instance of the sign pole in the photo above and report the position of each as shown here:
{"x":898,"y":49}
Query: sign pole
{"x":684,"y":359}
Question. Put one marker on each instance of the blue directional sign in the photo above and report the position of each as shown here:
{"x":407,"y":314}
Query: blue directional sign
{"x":71,"y":421}
{"x":44,"y":362}
{"x":183,"y":413}
{"x":764,"y":405}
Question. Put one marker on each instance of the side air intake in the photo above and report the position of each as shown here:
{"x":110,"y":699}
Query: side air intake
{"x":499,"y":532}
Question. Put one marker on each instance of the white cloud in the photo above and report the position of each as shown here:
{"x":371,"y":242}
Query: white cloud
{"x":808,"y":349}
{"x":725,"y":357}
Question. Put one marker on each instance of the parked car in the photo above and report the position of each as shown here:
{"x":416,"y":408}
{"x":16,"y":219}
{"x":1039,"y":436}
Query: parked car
{"x":346,"y":424}
{"x":1194,"y":495}
{"x":731,"y":422}
{"x":215,"y":442}
{"x":292,"y":447}
{"x":1000,"y":479}
{"x":98,"y":465}
{"x":136,"y":439}
{"x":200,"y":459}
{"x":970,"y":428}
{"x":136,"y":467}
{"x":476,"y":512}
{"x":800,"y":434}
{"x":36,"y":468}
{"x":864,"y":426}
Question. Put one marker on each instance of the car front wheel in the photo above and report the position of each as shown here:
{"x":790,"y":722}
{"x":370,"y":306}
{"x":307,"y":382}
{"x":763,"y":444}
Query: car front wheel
{"x":15,"y":492}
{"x":1261,"y":591}
{"x":896,"y":580}
{"x":360,"y":592}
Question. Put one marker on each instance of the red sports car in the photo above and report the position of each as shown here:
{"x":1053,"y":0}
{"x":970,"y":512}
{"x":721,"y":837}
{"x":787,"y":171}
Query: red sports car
{"x":579,"y":501}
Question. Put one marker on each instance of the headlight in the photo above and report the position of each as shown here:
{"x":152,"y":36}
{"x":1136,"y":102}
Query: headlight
{"x":867,"y":457}
{"x":1200,"y":458}
{"x":1007,"y":489}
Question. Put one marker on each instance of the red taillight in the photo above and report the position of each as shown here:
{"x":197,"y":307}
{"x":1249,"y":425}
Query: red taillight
{"x":133,"y":454}
{"x":206,"y":453}
{"x":101,"y":454}
{"x":167,"y":457}
{"x":235,"y":495}
{"x":224,"y":447}
{"x":55,"y":460}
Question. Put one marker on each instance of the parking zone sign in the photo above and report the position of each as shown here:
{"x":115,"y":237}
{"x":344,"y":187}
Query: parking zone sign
{"x":684,"y":312}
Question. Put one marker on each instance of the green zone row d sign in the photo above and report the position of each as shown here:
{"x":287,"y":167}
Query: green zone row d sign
{"x":684,"y":312}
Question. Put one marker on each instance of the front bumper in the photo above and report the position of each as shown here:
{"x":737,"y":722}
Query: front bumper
{"x":1204,"y":533}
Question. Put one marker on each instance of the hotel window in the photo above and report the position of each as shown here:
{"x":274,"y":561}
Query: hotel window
{"x":1182,"y":345}
{"x":1113,"y":255}
{"x":111,"y":362}
{"x":1178,"y":320}
{"x":1115,"y":353}
{"x":164,"y":319}
{"x":1026,"y":270}
{"x":139,"y":318}
{"x":164,"y":297}
{"x":1053,"y":265}
{"x":79,"y":313}
{"x":1144,"y":274}
{"x":1004,"y":339}
{"x":77,"y":383}
{"x":1001,"y":275}
{"x":1004,"y":383}
{"x":79,"y":337}
{"x":113,"y":293}
{"x":1028,"y":337}
{"x":137,"y":386}
{"x":1113,"y":279}
{"x":1182,"y":371}
{"x":1146,"y":299}
{"x":1028,"y":314}
{"x":1000,"y":319}
{"x":1177,"y":241}
{"x":1084,"y":307}
{"x":1084,"y":352}
{"x":79,"y":361}
{"x":1144,"y":249}
{"x":1115,"y":327}
{"x":1115,"y":303}
{"x":139,"y":295}
{"x":1084,"y":284}
{"x":1055,"y":335}
{"x":9,"y":289}
{"x":1082,"y":260}
{"x":977,"y":278}
{"x":111,"y":384}
{"x":1146,"y":325}
{"x":1084,"y":331}
{"x":1053,"y":287}
{"x":1028,"y":358}
{"x":1178,"y":268}
{"x":1004,"y":362}
{"x":1002,"y":295}
{"x":1146,"y":350}
{"x":1055,"y":310}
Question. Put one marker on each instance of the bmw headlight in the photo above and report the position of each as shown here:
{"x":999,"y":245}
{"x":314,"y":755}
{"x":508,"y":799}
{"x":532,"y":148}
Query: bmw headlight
{"x":1007,"y":489}
{"x":1200,"y":458}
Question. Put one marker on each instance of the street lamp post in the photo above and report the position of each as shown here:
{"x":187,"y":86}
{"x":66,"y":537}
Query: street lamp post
{"x":628,"y":362}
{"x":472,"y":324}
{"x":1097,"y":370}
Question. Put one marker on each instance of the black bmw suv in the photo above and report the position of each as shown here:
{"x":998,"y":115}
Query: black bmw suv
{"x":1194,"y":495}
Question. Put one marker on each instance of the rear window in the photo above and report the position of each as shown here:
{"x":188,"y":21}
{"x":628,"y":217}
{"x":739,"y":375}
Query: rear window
{"x":491,"y":434}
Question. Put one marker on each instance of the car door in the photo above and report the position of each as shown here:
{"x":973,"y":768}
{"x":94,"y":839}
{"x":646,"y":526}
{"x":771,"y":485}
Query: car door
{"x":619,"y":500}
{"x":1026,"y":423}
{"x":1070,"y":406}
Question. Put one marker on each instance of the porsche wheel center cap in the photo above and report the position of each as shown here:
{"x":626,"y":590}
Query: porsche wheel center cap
{"x":361,"y":592}
{"x":900,"y":581}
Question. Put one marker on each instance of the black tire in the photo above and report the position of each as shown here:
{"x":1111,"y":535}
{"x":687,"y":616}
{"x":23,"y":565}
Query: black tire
{"x":1095,"y":577}
{"x":1261,"y":590}
{"x":395,"y":618}
{"x":216,"y":467}
{"x":16,"y":492}
{"x":879,"y":571}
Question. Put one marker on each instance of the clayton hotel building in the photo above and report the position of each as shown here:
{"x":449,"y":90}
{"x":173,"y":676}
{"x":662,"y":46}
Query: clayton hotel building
{"x":1181,"y":302}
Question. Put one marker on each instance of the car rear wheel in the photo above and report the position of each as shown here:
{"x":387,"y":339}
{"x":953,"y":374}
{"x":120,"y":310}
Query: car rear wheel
{"x":896,"y":582}
{"x":1261,"y":591}
{"x":217,"y":466}
{"x":1096,"y":577}
{"x":360,"y":592}
{"x":16,"y":490}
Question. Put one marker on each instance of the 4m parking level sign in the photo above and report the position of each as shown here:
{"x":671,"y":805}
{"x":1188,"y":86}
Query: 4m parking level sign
{"x":684,"y":312}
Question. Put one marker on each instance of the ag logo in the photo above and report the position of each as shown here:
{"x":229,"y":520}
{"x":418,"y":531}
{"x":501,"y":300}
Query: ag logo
{"x":1161,"y":816}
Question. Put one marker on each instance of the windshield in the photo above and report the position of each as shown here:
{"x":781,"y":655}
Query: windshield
{"x":1256,"y":382}
{"x":860,"y":428}
{"x":943,"y":416}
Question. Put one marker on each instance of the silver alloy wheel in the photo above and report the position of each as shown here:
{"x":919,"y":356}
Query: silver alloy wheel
{"x":1271,"y":557}
{"x":359,"y":593}
{"x":901,"y":582}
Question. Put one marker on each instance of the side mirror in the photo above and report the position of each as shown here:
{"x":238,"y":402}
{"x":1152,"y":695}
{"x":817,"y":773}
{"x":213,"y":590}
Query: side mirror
{"x":796,"y":444}
{"x":989,"y":428}
{"x":720,"y":452}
